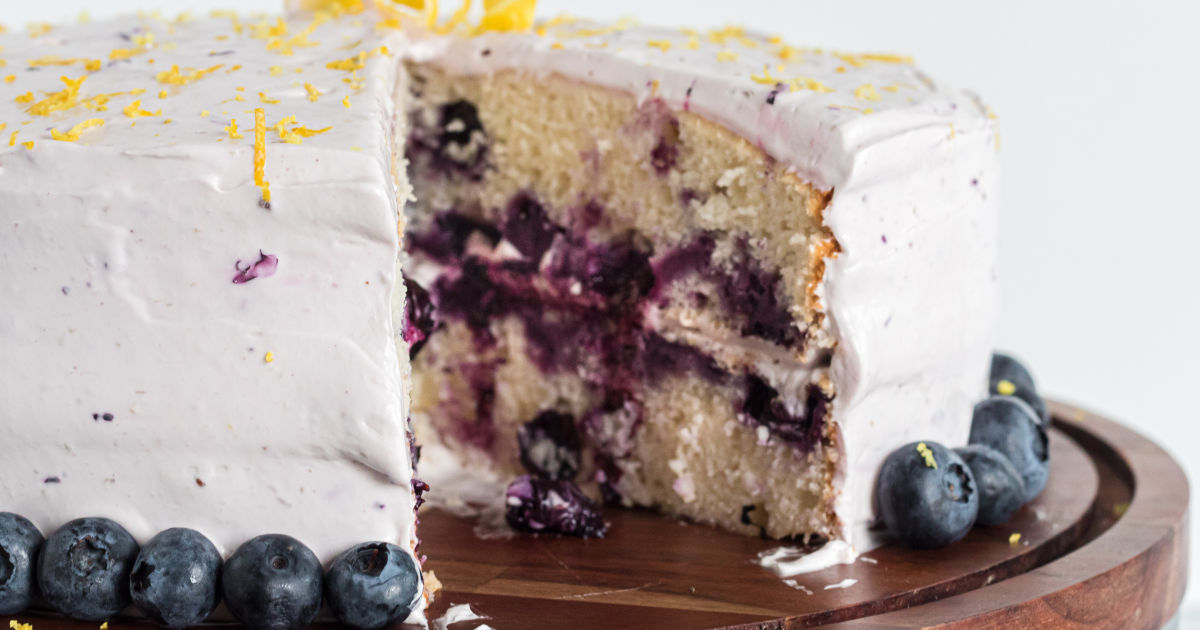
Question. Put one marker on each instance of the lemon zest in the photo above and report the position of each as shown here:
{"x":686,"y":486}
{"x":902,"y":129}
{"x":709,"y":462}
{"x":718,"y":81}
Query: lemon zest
{"x":77,"y":130}
{"x":134,"y":110}
{"x":927,"y":455}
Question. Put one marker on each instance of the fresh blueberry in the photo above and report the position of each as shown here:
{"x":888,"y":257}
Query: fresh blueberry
{"x":373,"y":585}
{"x":1006,"y":368}
{"x":1001,"y":489}
{"x":543,"y":506}
{"x":550,"y":445}
{"x":273,"y":582}
{"x":19,"y":545}
{"x":926,"y":495}
{"x":175,"y":578}
{"x":83,"y":570}
{"x":1010,"y":378}
{"x":1010,"y":426}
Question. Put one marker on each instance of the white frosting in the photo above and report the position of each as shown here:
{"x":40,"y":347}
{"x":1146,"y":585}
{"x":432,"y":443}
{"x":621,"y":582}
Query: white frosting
{"x":788,"y":562}
{"x":118,"y":253}
{"x":846,"y":583}
{"x":911,"y":297}
{"x":457,"y":613}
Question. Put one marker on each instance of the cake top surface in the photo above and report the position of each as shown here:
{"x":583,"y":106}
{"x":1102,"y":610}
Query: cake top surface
{"x":143,"y":81}
{"x":812,"y":108}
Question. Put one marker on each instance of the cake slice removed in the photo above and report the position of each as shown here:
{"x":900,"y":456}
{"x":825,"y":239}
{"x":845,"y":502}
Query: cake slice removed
{"x":709,"y":273}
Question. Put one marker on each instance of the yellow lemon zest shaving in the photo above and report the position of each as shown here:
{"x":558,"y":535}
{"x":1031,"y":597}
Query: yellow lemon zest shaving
{"x":262,"y":96}
{"x":77,"y":130}
{"x":91,"y":65}
{"x":866,"y":92}
{"x":134,"y":110}
{"x":174,"y":77}
{"x":232,"y":129}
{"x":260,"y":153}
{"x":927,"y":455}
{"x":59,"y":101}
{"x":313,"y":92}
{"x":1006,"y":387}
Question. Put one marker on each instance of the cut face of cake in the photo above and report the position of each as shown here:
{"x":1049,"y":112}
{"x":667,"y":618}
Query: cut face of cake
{"x":195,"y":331}
{"x":740,"y":271}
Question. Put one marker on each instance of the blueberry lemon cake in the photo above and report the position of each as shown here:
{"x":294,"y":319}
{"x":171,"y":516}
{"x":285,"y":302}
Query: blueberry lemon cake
{"x":198,"y":252}
{"x":706,"y":272}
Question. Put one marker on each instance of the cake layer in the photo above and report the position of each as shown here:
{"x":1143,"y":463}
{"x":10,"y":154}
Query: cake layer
{"x":796,"y":219}
{"x":184,"y":344}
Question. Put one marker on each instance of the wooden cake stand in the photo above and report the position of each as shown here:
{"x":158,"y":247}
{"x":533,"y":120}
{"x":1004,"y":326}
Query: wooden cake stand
{"x":1105,"y":545}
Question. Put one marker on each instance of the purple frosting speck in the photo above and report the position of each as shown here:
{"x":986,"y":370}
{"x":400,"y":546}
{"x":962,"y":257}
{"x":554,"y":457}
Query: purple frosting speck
{"x":264,"y":267}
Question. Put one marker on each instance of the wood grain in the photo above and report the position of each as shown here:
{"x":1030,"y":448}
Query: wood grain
{"x":1104,"y":546}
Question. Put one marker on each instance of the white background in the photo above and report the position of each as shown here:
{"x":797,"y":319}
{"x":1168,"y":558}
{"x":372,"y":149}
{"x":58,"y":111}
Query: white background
{"x":1099,"y":106}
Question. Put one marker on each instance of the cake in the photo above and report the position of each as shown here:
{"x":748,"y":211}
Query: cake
{"x":718,"y":275}
{"x":704,"y":272}
{"x":186,"y":341}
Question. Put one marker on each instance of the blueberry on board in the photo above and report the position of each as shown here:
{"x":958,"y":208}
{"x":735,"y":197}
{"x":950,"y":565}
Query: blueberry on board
{"x":926,"y":495}
{"x":1012,"y":427}
{"x":175,"y":580}
{"x":83,"y":569}
{"x":20,"y":542}
{"x":1010,"y":378}
{"x":1001,"y":489}
{"x":373,"y":585}
{"x":1007,"y":368}
{"x":544,"y":506}
{"x":550,"y":445}
{"x":272,"y":582}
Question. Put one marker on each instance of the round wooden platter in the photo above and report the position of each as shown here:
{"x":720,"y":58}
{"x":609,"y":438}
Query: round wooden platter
{"x":1105,"y":545}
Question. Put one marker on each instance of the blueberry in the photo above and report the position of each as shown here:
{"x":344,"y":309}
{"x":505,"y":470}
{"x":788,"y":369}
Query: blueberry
{"x":550,"y":446}
{"x":1010,"y":426}
{"x":20,"y":542}
{"x":543,"y":506}
{"x":527,"y":226}
{"x":373,"y":585}
{"x":83,"y":570}
{"x":272,"y":582}
{"x":1001,"y":489}
{"x":1005,"y":367}
{"x":419,"y":320}
{"x":175,"y":580}
{"x":926,"y":495}
{"x":1010,"y":378}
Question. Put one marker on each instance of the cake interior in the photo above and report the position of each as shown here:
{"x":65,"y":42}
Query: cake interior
{"x":633,"y":285}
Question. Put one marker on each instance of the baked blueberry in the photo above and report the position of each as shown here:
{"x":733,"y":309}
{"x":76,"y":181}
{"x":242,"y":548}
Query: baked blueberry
{"x":83,"y":569}
{"x":1001,"y":489}
{"x":550,"y":445}
{"x":419,"y":320}
{"x":926,"y":495}
{"x":1010,"y":378}
{"x":1012,"y":427}
{"x":273,"y":582}
{"x":373,"y":585}
{"x":543,"y":506}
{"x":20,"y":542}
{"x":175,"y":580}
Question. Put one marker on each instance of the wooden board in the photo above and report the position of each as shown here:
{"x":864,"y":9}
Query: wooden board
{"x":1105,"y":545}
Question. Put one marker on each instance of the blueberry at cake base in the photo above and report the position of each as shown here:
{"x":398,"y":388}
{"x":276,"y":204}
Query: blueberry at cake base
{"x":739,"y":294}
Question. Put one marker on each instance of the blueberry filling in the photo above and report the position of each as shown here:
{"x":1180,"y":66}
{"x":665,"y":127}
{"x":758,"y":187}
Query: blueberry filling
{"x":544,"y":506}
{"x":581,"y":303}
{"x":550,"y":446}
{"x":528,"y":228}
{"x":419,"y":319}
{"x":763,"y":405}
{"x":458,"y":146}
{"x":448,"y":239}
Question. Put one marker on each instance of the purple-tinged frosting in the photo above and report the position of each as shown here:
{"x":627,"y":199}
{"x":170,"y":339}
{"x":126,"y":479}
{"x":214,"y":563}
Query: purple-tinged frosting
{"x":264,"y":267}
